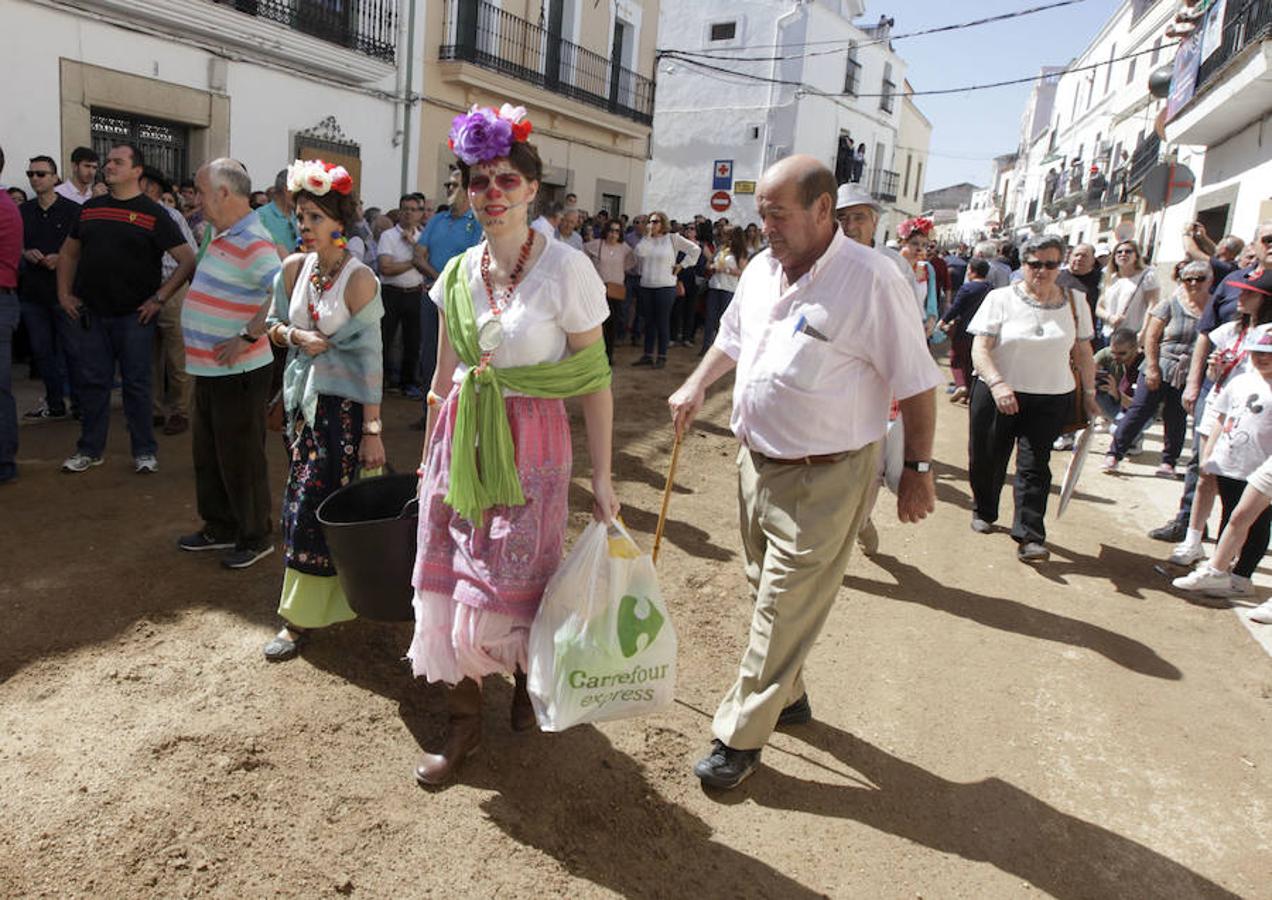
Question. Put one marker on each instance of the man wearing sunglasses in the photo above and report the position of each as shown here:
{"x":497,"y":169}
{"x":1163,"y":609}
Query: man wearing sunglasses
{"x":46,"y":221}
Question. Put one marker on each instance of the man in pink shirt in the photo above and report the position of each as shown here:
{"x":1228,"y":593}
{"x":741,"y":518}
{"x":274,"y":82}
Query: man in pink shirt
{"x":10,"y":313}
{"x":822,"y":334}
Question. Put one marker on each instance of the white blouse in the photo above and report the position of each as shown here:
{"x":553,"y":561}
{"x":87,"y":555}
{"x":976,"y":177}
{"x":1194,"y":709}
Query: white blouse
{"x":333,"y":313}
{"x":1032,"y":353}
{"x":657,"y":257}
{"x":561,"y":294}
{"x":1129,"y":297}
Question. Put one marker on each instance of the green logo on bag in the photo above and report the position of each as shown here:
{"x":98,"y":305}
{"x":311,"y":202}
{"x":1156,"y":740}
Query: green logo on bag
{"x":631,"y":625}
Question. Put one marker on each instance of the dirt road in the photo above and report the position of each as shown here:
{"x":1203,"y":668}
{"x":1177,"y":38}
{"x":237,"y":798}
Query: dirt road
{"x":982,"y":729}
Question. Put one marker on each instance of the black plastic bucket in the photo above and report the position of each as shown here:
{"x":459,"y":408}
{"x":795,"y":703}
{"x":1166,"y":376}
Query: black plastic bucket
{"x":370,"y":527}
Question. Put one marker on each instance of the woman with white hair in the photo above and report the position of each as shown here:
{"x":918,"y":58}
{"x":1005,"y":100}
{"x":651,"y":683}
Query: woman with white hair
{"x":1026,"y":336}
{"x":1170,"y":335}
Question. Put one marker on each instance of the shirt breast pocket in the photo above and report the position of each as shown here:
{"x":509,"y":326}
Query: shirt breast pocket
{"x":802,"y":361}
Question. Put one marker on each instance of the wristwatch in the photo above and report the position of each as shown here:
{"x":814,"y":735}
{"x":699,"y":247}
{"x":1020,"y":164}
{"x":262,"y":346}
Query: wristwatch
{"x":372,"y":426}
{"x":922,"y":466}
{"x":244,"y":336}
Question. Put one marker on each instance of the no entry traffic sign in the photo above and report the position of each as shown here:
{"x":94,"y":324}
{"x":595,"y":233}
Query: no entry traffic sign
{"x":720,"y":201}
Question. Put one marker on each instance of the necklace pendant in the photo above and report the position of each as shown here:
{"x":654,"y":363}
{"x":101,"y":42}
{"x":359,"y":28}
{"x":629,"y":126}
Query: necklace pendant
{"x":490,"y":335}
{"x":1039,"y":331}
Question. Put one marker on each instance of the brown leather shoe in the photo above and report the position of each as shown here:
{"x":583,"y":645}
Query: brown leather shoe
{"x":463,"y":701}
{"x":523,"y":718}
{"x":176,"y":424}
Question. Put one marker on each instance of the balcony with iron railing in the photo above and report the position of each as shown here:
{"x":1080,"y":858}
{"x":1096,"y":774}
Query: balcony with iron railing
{"x":481,"y":33}
{"x":1246,"y":22}
{"x":368,"y":27}
{"x":883,"y":184}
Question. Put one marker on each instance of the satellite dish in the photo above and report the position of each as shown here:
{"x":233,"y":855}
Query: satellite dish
{"x":1166,"y":183}
{"x":1159,"y":81}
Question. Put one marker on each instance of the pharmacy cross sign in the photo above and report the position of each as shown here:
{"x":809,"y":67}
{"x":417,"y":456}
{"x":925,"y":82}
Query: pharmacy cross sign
{"x":722,"y":175}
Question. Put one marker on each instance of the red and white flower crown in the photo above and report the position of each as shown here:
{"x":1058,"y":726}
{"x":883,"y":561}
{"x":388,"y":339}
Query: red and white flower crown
{"x":318,"y":178}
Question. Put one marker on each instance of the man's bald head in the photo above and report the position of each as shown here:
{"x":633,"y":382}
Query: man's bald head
{"x":807,"y":175}
{"x":796,"y":202}
{"x":1082,"y":259}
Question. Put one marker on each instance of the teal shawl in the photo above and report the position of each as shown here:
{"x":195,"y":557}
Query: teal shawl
{"x":481,"y":421}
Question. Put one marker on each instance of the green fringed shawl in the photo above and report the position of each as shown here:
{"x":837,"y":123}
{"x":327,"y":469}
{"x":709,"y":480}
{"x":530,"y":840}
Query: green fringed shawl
{"x":481,"y":422}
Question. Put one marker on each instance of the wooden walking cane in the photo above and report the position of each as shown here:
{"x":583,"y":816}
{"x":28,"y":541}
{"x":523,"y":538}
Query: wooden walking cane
{"x":666,"y":501}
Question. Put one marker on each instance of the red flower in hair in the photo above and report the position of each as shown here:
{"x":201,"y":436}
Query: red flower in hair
{"x":342,"y":182}
{"x":521,"y":130}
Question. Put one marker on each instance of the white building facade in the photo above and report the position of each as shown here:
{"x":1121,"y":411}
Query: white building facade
{"x":263,"y":81}
{"x":841,"y":86}
{"x":1088,"y":136}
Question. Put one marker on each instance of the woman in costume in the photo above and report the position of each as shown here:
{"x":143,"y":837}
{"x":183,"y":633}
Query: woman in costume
{"x":914,"y":235}
{"x":520,"y":331}
{"x":326,"y":312}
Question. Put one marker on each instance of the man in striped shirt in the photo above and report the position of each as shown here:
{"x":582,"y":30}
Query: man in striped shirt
{"x":222,"y":321}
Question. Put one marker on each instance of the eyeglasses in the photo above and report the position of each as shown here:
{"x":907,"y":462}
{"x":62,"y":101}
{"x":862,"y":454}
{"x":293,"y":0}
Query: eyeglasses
{"x":1125,"y":251}
{"x":1194,"y":279}
{"x":505,"y":181}
{"x":1036,"y":264}
{"x":36,"y":173}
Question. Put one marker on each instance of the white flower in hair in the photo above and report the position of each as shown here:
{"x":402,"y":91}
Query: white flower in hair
{"x":296,"y":176}
{"x":513,"y":114}
{"x":317,"y":180}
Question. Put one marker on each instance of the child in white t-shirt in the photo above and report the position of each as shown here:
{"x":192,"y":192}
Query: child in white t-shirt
{"x":1237,"y":452}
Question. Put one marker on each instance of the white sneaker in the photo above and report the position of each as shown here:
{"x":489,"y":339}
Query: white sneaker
{"x":1064,"y":442}
{"x":1261,"y":614}
{"x":1186,"y":554}
{"x":81,"y":462}
{"x":1240,"y":586}
{"x":145,"y":464}
{"x":1206,"y":580}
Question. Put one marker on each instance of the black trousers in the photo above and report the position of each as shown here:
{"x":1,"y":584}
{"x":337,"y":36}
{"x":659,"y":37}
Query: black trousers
{"x":1256,"y":543}
{"x":402,"y":309}
{"x":231,"y":473}
{"x":993,"y":436}
{"x":609,"y":329}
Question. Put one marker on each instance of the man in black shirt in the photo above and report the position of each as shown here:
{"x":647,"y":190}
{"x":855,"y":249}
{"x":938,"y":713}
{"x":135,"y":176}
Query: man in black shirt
{"x":46,"y":222}
{"x":109,"y":279}
{"x":1082,"y":274}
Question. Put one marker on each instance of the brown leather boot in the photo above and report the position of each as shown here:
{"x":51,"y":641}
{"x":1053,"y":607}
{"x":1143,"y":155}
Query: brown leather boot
{"x":463,"y":702}
{"x":522,"y":709}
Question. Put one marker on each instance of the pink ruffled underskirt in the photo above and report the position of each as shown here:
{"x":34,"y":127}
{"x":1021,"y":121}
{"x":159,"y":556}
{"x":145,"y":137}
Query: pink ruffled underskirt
{"x":454,"y":641}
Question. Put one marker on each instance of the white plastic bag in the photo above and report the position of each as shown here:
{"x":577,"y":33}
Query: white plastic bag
{"x":602,"y":645}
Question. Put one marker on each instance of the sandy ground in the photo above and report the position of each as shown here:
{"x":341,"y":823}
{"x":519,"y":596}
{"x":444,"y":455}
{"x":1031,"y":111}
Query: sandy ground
{"x":982,"y":728}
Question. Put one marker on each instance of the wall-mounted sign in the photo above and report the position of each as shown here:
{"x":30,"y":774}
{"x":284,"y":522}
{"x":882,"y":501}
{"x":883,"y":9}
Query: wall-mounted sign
{"x":722,"y":175}
{"x":744,"y":187}
{"x":720,"y":201}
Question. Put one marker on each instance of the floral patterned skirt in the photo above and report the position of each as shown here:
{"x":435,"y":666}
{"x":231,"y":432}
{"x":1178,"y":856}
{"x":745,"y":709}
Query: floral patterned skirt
{"x":477,"y":588}
{"x":324,"y":458}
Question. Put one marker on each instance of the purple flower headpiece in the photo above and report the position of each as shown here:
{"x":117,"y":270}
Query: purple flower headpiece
{"x":483,"y":134}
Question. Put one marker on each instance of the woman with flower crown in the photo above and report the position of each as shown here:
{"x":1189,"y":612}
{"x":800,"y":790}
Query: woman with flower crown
{"x":914,"y":235}
{"x":521,"y":330}
{"x":326,"y":312}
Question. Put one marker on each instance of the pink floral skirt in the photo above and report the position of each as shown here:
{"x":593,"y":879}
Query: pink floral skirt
{"x":477,"y":589}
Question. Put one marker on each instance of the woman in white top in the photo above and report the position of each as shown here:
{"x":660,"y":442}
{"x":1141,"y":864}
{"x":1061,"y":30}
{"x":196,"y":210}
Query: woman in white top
{"x":614,"y":259}
{"x":1025,"y":335}
{"x":657,"y":252}
{"x":1133,"y":292}
{"x":724,"y":270}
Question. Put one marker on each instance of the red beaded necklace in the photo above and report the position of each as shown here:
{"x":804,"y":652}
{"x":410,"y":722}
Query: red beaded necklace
{"x":522,"y":258}
{"x":490,"y":335}
{"x":321,"y":284}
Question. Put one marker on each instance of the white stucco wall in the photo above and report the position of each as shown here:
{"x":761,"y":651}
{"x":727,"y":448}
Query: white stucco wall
{"x":267,"y":106}
{"x":704,"y":116}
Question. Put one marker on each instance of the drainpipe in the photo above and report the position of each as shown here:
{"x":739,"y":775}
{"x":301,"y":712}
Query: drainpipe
{"x":778,"y":27}
{"x":407,"y":95}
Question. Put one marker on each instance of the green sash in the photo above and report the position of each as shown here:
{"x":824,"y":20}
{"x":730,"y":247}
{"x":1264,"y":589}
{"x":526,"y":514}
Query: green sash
{"x":481,"y":422}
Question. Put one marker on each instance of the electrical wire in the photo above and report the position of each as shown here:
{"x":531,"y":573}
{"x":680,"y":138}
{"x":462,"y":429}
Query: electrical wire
{"x":938,"y":29}
{"x":676,"y":56}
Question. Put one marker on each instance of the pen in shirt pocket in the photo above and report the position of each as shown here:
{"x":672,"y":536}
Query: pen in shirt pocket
{"x":802,"y":325}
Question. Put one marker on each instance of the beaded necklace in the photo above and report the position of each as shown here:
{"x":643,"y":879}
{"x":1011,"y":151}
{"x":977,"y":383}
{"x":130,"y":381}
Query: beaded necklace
{"x":490,"y":335}
{"x":319,"y":284}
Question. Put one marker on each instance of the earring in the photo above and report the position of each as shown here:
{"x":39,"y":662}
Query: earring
{"x":338,"y":237}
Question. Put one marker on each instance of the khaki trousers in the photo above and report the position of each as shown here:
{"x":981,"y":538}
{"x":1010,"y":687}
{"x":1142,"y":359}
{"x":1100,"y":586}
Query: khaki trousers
{"x":169,"y":357}
{"x":798,"y":528}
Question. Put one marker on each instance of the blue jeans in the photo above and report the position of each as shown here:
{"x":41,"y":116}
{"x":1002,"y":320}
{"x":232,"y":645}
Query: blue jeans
{"x":1140,"y":415}
{"x":1193,"y":474}
{"x":717,"y":302}
{"x":110,"y":340}
{"x":53,"y":338}
{"x":9,"y":316}
{"x":656,"y":304}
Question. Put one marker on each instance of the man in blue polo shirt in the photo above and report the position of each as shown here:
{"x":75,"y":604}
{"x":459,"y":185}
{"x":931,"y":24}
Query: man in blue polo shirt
{"x":277,"y":217}
{"x":446,"y":235}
